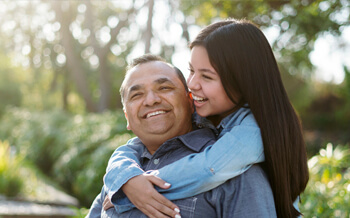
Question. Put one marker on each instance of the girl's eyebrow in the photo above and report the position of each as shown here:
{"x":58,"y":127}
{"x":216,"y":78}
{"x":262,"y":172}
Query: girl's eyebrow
{"x":203,"y":70}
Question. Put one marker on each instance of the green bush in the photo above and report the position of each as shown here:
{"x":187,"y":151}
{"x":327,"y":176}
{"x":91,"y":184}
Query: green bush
{"x":328,"y":191}
{"x":10,"y":180}
{"x":10,"y":92}
{"x":71,"y":149}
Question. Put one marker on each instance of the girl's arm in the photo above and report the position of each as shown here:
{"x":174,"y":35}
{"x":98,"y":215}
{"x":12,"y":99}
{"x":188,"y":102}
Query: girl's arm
{"x":229,"y":157}
{"x":123,"y":165}
{"x":124,"y":171}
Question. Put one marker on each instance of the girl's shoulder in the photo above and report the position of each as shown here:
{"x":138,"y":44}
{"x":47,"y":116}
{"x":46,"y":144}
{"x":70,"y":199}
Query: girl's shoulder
{"x":242,"y":116}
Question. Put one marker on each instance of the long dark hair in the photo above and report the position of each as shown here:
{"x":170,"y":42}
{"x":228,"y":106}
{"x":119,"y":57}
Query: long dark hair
{"x":242,"y":56}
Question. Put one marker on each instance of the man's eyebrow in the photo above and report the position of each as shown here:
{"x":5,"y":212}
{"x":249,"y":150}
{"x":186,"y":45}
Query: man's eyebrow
{"x":157,"y":81}
{"x":134,"y":88}
{"x":203,"y":70}
{"x":163,"y":80}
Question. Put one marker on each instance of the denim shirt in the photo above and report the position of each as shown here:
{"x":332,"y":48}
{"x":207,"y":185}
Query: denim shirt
{"x":247,"y":195}
{"x":239,"y":146}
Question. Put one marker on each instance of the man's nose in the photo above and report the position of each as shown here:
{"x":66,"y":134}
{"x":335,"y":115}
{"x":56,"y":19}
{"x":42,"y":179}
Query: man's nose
{"x":151,"y":99}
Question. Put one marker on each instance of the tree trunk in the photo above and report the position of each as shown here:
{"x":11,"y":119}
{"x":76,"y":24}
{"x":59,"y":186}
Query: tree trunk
{"x":74,"y":66}
{"x":148,"y":32}
{"x":105,"y":85}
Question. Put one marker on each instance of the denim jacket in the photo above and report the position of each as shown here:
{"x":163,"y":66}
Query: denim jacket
{"x":238,"y":147}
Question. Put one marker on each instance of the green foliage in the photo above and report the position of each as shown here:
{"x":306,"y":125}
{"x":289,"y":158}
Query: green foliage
{"x":72,"y":150}
{"x":11,"y":183}
{"x":329,"y":108}
{"x":298,"y":23}
{"x":80,"y":212}
{"x":10,"y":93}
{"x":328,"y":191}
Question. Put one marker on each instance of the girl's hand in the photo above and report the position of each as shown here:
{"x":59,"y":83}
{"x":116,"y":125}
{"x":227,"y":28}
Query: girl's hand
{"x":146,"y":198}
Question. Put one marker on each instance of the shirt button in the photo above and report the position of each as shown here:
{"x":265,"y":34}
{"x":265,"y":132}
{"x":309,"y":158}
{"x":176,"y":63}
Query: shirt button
{"x":212,"y":170}
{"x":156,"y":161}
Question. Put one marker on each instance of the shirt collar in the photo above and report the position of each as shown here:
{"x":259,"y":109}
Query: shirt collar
{"x":202,"y":122}
{"x":195,"y":140}
{"x":233,"y":118}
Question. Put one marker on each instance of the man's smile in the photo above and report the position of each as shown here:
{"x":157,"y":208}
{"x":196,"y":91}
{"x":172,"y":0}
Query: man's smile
{"x":154,"y":113}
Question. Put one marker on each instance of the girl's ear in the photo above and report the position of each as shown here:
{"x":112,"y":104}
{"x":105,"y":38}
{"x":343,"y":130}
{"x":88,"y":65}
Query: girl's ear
{"x":126,"y":117}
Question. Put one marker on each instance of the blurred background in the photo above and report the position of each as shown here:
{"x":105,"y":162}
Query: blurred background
{"x":62,"y":62}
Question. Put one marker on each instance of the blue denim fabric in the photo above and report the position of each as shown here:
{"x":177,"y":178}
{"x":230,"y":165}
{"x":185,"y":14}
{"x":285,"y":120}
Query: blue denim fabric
{"x":239,"y":146}
{"x":249,"y":194}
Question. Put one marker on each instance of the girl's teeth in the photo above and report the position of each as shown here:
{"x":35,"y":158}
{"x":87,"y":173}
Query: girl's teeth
{"x":197,"y":98}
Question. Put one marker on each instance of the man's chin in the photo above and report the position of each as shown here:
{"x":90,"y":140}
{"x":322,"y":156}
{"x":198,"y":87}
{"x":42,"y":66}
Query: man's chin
{"x":157,"y":131}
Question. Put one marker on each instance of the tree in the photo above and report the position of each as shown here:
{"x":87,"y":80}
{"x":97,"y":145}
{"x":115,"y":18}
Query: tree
{"x":296,"y":23}
{"x":84,"y":45}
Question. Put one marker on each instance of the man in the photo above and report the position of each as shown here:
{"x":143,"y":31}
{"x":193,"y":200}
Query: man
{"x":158,"y":110}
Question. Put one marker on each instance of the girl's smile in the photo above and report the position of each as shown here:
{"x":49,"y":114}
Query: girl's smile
{"x":208,"y":93}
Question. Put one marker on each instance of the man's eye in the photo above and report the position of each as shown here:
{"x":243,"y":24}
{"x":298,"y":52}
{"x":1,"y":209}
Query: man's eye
{"x":165,"y":88}
{"x":135,"y":95}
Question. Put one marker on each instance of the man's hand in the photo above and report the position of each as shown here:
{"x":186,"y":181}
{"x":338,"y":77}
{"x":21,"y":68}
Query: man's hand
{"x":141,"y":192}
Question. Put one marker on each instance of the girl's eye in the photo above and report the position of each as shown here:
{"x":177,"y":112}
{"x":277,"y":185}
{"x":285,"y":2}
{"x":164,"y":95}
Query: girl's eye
{"x":207,"y":77}
{"x":191,"y":71}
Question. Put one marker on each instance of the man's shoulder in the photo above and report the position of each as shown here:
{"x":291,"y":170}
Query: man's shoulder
{"x":251,"y":193}
{"x":254,"y":178}
{"x":198,"y":139}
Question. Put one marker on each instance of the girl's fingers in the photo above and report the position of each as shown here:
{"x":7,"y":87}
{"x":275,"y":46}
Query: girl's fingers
{"x":163,"y":205}
{"x":158,"y":182}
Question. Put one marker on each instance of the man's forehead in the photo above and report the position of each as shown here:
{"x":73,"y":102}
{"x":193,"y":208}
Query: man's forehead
{"x":152,"y":72}
{"x":142,"y":84}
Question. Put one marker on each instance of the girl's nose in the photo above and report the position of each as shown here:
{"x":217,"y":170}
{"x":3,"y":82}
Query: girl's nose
{"x":193,"y":82}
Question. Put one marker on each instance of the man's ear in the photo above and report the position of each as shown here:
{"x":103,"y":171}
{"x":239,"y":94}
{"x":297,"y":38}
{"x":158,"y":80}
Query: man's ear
{"x":127,"y":121}
{"x":190,"y":99}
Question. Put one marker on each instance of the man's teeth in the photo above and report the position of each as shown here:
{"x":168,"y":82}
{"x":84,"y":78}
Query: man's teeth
{"x":155,"y":113}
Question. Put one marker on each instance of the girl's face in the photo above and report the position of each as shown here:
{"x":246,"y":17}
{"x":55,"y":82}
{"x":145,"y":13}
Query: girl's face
{"x":209,"y":96}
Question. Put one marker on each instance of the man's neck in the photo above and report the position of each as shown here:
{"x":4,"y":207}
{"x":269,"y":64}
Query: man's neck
{"x":152,"y":143}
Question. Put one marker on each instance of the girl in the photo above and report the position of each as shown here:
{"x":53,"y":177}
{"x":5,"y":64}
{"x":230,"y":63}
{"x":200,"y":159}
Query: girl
{"x":236,"y":84}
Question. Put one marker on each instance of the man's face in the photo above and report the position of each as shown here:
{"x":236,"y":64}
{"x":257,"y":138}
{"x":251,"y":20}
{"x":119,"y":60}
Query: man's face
{"x":156,"y":104}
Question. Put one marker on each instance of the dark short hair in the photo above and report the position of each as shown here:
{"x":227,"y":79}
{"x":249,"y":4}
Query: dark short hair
{"x":146,"y":58}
